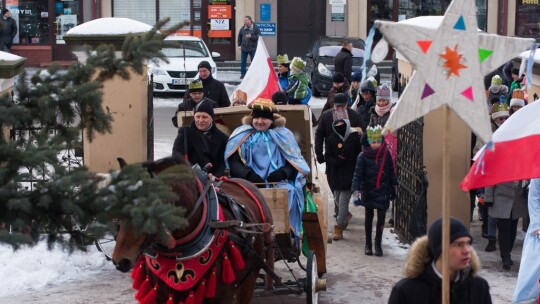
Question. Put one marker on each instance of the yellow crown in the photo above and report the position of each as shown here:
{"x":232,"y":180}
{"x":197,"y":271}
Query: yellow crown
{"x":282,"y":59}
{"x":298,"y":63}
{"x":518,"y":94}
{"x":374,"y":134}
{"x":264,"y":105}
{"x":195,"y":85}
{"x":499,"y":107}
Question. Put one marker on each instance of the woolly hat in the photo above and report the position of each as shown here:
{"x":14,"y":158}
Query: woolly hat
{"x":356,"y":76}
{"x":499,"y":109}
{"x":457,"y":230}
{"x":297,"y":64}
{"x":195,"y":86}
{"x":263,"y":107}
{"x":518,"y":98}
{"x":4,"y":11}
{"x":340,"y":99}
{"x":283,"y":59}
{"x":496,"y":84}
{"x":205,"y":64}
{"x":384,"y":92}
{"x":368,"y":85}
{"x":338,"y":77}
{"x":279,"y":98}
{"x":205,"y":106}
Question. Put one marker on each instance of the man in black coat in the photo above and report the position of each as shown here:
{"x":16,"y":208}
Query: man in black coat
{"x":343,"y":61}
{"x":212,"y":88}
{"x":202,"y":143}
{"x":8,"y":30}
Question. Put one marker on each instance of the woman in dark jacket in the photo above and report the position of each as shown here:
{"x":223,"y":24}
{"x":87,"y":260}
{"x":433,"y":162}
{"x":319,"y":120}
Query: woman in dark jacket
{"x":374,"y":183}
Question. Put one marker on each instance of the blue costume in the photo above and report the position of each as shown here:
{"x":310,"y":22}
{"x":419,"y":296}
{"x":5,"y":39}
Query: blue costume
{"x":267,"y":152}
{"x":527,"y":286}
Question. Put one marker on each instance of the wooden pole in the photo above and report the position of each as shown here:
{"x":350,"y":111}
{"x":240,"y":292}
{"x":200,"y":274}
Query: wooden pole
{"x":445,"y":207}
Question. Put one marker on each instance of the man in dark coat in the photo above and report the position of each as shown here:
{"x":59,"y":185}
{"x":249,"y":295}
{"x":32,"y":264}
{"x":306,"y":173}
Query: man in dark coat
{"x":202,"y":142}
{"x":423,"y":283}
{"x":212,"y":88}
{"x":196,"y":96}
{"x":248,"y":37}
{"x":339,"y":85}
{"x":343,"y":61}
{"x":8,"y":30}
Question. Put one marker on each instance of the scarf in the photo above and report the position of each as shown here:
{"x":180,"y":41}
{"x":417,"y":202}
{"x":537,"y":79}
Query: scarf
{"x":383,"y":110}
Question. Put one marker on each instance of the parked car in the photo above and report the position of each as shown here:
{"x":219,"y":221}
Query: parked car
{"x":320,"y":61}
{"x":184,"y":58}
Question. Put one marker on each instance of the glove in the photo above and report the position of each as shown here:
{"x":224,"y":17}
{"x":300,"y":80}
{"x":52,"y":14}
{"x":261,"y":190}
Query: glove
{"x":393,"y":194}
{"x":277,"y":176}
{"x":320,"y":159}
{"x":254,"y":177}
{"x":357,"y":198}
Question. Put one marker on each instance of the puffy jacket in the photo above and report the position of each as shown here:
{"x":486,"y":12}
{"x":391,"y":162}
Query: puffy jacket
{"x":343,"y":63}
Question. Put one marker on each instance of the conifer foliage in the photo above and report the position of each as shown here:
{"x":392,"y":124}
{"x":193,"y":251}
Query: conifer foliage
{"x":54,"y":106}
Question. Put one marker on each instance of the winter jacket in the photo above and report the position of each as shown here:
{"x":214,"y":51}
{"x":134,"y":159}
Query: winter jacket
{"x":248,"y":44}
{"x":375,"y":119}
{"x":298,"y":86}
{"x":421,"y":285}
{"x":343,"y":63}
{"x":332,"y":93}
{"x":187,"y":105}
{"x":324,"y":129}
{"x":283,"y":80}
{"x":375,"y":186}
{"x":508,"y":199}
{"x":8,"y":30}
{"x":215,"y":90}
{"x":341,"y":158}
{"x":202,"y":147}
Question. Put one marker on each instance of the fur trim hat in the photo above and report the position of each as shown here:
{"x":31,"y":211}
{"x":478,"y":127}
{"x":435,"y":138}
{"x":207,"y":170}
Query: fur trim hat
{"x":205,"y":106}
{"x":457,"y":230}
{"x":195,"y":86}
{"x":262,"y":107}
{"x":205,"y":64}
{"x":384,"y":92}
{"x":518,"y":98}
{"x":499,"y":109}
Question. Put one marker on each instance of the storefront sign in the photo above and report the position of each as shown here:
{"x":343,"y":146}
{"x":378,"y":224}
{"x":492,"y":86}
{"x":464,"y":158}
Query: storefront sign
{"x":337,"y":2}
{"x":219,"y":12}
{"x":267,"y":29}
{"x":266,"y":12}
{"x":338,"y":13}
{"x":530,"y":1}
{"x":219,"y":24}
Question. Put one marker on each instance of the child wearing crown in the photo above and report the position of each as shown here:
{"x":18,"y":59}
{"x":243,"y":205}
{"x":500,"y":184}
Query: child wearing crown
{"x":374,"y":185}
{"x":298,"y":88}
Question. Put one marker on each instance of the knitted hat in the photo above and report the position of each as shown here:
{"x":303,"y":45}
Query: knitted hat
{"x":457,"y":230}
{"x":518,"y":98}
{"x":205,"y":106}
{"x":297,"y":64}
{"x":496,"y":84}
{"x":384,"y":92}
{"x":205,"y":64}
{"x":263,"y":107}
{"x":283,"y":59}
{"x":356,"y":76}
{"x":374,"y":134}
{"x":340,"y":99}
{"x":499,"y":109}
{"x":195,"y":86}
{"x":338,"y":77}
{"x":368,"y":85}
{"x":279,"y":98}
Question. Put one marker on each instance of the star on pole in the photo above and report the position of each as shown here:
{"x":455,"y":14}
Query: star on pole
{"x":450,"y":62}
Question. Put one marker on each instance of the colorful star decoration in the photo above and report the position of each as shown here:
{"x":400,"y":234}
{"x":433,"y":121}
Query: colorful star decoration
{"x":450,"y":61}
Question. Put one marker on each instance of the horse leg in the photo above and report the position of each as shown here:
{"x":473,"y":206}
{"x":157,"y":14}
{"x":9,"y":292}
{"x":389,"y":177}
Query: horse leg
{"x":245,"y":291}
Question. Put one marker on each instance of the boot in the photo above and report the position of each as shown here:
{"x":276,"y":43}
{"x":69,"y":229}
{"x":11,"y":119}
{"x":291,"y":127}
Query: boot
{"x":491,"y":245}
{"x":507,"y":263}
{"x":378,"y":241}
{"x":338,"y":233}
{"x":368,"y":250}
{"x":349,"y":217}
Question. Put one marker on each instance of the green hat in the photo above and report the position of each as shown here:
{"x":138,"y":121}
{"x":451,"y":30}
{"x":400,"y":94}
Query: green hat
{"x":298,"y":64}
{"x":374,"y":134}
{"x":195,"y":86}
{"x":283,"y":59}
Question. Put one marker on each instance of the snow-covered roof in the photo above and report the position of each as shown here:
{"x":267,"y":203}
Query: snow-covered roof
{"x":109,"y":26}
{"x":4,"y":56}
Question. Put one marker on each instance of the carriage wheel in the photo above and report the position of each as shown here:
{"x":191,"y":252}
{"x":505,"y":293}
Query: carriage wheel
{"x":106,"y":245}
{"x":312,"y":296}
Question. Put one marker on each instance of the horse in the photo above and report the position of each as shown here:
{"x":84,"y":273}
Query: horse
{"x":222,"y":270}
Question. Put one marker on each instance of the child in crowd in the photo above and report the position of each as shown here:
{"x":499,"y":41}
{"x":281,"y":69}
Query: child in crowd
{"x":298,"y":88}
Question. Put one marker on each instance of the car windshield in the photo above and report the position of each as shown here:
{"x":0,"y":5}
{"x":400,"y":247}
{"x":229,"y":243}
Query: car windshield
{"x":187,"y":49}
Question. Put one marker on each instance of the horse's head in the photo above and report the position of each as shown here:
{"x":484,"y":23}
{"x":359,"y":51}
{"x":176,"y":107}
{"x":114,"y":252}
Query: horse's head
{"x":130,"y":243}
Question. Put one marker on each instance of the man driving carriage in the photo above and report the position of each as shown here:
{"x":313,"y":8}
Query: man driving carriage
{"x":266,"y":153}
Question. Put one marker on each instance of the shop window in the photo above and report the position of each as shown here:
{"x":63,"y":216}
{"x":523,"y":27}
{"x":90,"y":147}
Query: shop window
{"x":140,"y":10}
{"x":67,"y":17}
{"x":528,"y":19}
{"x":32,"y":18}
{"x":178,"y":10}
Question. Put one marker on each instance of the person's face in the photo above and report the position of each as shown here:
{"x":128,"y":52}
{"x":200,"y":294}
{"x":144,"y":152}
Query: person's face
{"x":196,"y":96}
{"x":203,"y":121}
{"x":355,"y":84}
{"x":204,"y":73}
{"x":459,"y":256}
{"x":261,"y":123}
{"x":338,"y":85}
{"x":247,"y":22}
{"x":366,"y":95}
{"x":349,"y":47}
{"x":515,"y":108}
{"x":500,"y":120}
{"x":375,"y":145}
{"x":341,"y":107}
{"x":282,"y":69}
{"x":382,"y":102}
{"x":7,"y":14}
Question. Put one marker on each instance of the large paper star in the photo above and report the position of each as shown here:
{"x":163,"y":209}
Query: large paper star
{"x":450,"y":62}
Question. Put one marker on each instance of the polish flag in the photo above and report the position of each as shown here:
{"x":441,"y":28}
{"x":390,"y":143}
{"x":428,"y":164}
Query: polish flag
{"x":512,"y":154}
{"x":261,"y":79}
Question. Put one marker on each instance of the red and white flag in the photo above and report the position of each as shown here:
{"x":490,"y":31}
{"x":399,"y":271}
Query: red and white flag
{"x":261,"y":79}
{"x":512,"y":154}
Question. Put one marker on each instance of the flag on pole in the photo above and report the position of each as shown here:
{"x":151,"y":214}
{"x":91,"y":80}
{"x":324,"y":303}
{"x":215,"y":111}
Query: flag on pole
{"x":261,"y":79}
{"x":511,"y":155}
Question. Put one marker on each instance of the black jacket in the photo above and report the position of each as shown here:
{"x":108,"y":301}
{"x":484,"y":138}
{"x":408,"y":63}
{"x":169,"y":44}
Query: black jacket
{"x":340,"y":159}
{"x":203,"y":147}
{"x":332,"y":93}
{"x":324,"y":129}
{"x":375,"y":191}
{"x":249,"y":44}
{"x":422,"y":286}
{"x":365,"y":113}
{"x":8,"y":30}
{"x":215,"y":90}
{"x":343,"y":63}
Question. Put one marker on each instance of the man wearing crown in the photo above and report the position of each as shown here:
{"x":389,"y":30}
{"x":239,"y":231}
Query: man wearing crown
{"x":265,"y":152}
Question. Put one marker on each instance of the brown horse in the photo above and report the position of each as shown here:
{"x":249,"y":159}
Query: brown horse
{"x":215,"y":283}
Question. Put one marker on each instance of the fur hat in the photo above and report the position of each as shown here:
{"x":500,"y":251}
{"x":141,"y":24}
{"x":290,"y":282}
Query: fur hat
{"x":205,"y":106}
{"x":283,"y":59}
{"x":340,"y":99}
{"x":499,"y":109}
{"x":263,"y":107}
{"x":297,"y":64}
{"x":384,"y":92}
{"x":205,"y":64}
{"x":457,"y":230}
{"x":195,"y":86}
{"x":518,"y":98}
{"x":338,"y":77}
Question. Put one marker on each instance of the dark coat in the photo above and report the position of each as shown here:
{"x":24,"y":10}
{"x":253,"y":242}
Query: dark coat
{"x":375,"y":119}
{"x":249,"y":44}
{"x":215,"y":90}
{"x":324,"y":128}
{"x":332,"y":93}
{"x":421,"y":285}
{"x":188,"y":105}
{"x":340,"y":159}
{"x":343,"y":63}
{"x":203,"y":147}
{"x":365,"y":113}
{"x":8,"y":30}
{"x":366,"y":173}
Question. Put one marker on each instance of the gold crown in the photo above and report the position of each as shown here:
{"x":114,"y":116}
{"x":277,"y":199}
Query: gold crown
{"x":281,"y":59}
{"x":374,"y":134}
{"x":518,"y":94}
{"x":298,"y":63}
{"x":195,"y":85}
{"x":264,"y":105}
{"x":499,"y":107}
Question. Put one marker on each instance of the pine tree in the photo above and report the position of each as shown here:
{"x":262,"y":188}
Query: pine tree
{"x":69,"y":209}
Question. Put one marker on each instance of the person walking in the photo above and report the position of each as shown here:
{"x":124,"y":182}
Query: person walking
{"x":368,"y":93}
{"x":339,"y":85}
{"x":422,"y":282}
{"x":212,"y":88}
{"x":8,"y":30}
{"x":374,"y":185}
{"x":343,"y":61}
{"x":248,"y":36}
